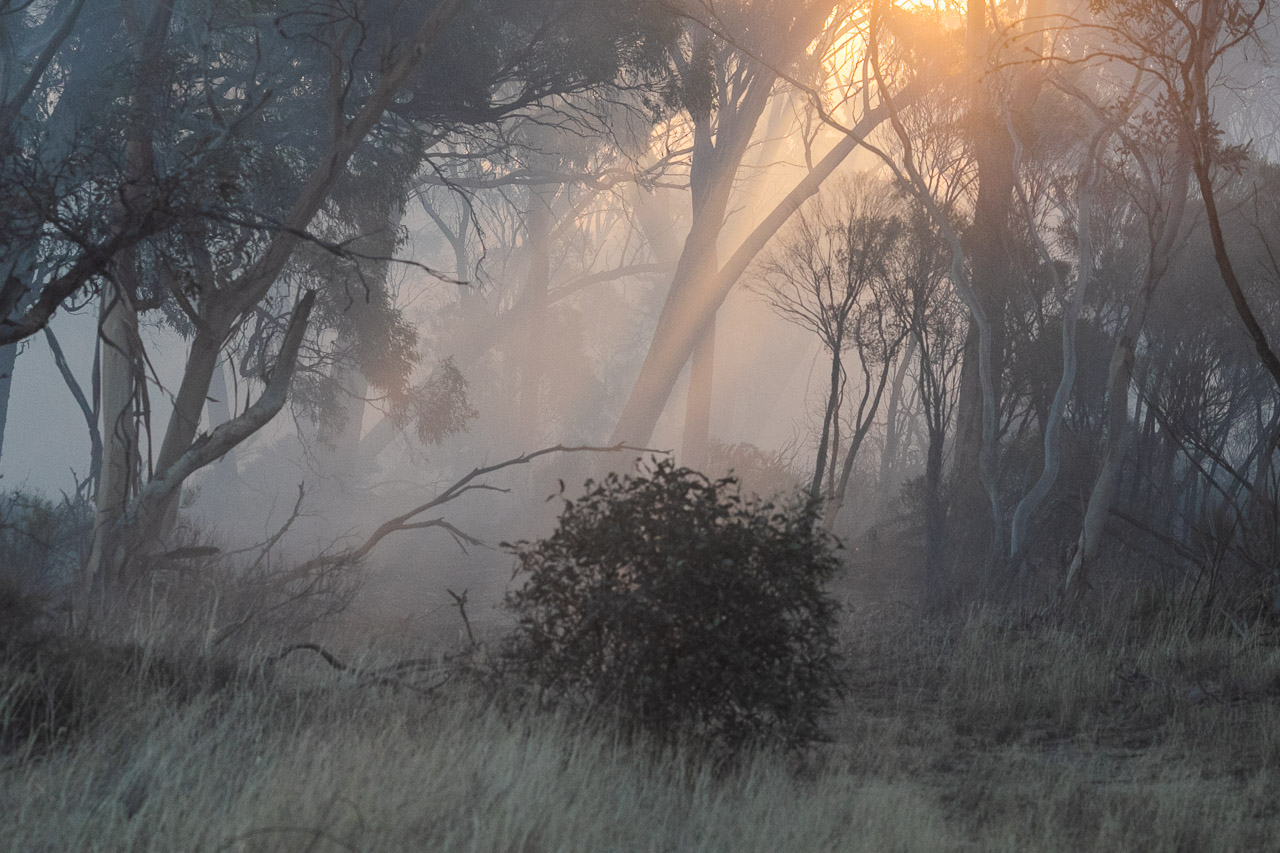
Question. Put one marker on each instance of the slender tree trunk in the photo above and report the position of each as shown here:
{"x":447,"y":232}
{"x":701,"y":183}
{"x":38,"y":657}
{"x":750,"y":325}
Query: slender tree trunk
{"x":862,"y":426}
{"x":892,"y":434}
{"x":89,"y":409}
{"x":1026,"y":509}
{"x":713,"y":168}
{"x":162,"y":491}
{"x":184,"y":423}
{"x":121,"y":465}
{"x":697,"y":424}
{"x":697,"y":417}
{"x":991,"y":272}
{"x":122,"y":376}
{"x":8,"y":359}
{"x":829,"y":416}
{"x":935,"y":523}
{"x":533,"y":299}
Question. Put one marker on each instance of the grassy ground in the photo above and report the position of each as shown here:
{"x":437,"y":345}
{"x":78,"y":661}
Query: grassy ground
{"x":987,"y":733}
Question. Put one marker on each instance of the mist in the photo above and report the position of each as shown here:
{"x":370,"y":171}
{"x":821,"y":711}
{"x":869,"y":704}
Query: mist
{"x":356,"y":343}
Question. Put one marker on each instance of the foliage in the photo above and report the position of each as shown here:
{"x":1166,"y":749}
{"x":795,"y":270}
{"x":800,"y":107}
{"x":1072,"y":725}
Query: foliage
{"x":442,"y":407}
{"x":668,"y":598}
{"x":766,"y":473}
{"x":41,"y":542}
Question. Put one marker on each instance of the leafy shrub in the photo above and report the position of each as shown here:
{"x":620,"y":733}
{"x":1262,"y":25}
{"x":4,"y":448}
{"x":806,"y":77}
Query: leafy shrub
{"x":672,"y":601}
{"x":42,"y":542}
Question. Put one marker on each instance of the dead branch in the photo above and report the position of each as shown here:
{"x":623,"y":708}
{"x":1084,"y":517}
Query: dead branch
{"x":385,"y":676}
{"x":461,"y":602}
{"x":405,"y":521}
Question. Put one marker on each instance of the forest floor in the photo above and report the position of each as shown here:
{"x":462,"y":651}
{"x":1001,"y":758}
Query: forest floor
{"x":983,"y":733}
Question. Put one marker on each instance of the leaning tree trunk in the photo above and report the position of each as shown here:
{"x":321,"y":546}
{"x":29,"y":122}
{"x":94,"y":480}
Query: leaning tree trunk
{"x":713,"y":168}
{"x":136,"y":532}
{"x":695,"y":298}
{"x":184,"y":421}
{"x":697,"y":424}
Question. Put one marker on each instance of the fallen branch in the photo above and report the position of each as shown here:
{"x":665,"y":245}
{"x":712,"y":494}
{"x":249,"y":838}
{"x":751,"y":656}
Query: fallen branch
{"x":389,"y":676}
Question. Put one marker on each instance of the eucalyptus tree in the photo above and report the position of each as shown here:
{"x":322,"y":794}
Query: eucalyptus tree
{"x":1189,"y":46}
{"x":1184,"y":48}
{"x":736,"y":54}
{"x":543,"y":225}
{"x":333,"y":109}
{"x":936,"y":324}
{"x":72,"y":86}
{"x":828,"y":275}
{"x":1018,"y":209}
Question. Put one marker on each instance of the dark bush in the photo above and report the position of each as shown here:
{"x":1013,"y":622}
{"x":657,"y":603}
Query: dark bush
{"x":42,"y":543}
{"x":673,"y":602}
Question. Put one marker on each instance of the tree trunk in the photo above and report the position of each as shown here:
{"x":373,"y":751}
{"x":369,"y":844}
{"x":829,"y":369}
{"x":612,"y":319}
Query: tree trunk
{"x":892,"y":434}
{"x":991,"y":272}
{"x":121,"y":466}
{"x":184,"y":421}
{"x":533,"y":314}
{"x":935,"y":524}
{"x":346,"y":441}
{"x":224,"y":475}
{"x":695,"y":298}
{"x":8,"y":359}
{"x":1052,"y":427}
{"x":89,"y":409}
{"x":866,"y":417}
{"x":713,"y":169}
{"x":697,"y":413}
{"x":135,"y":530}
{"x":829,"y":416}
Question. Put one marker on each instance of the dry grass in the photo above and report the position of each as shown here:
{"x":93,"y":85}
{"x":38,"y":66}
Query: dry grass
{"x":1114,"y":732}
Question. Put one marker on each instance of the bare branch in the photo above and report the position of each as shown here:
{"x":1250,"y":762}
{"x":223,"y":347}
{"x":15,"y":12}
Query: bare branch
{"x":405,"y":521}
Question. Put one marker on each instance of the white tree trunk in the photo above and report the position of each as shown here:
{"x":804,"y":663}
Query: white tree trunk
{"x":121,"y":468}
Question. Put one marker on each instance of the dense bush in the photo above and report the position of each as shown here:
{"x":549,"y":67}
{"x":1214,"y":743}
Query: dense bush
{"x":684,"y":608}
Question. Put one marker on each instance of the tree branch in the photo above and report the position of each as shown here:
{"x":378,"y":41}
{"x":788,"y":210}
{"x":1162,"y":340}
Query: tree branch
{"x":212,"y":446}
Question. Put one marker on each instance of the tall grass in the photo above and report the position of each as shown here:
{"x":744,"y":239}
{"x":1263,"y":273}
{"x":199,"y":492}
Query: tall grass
{"x":984,"y":734}
{"x":349,"y":769}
